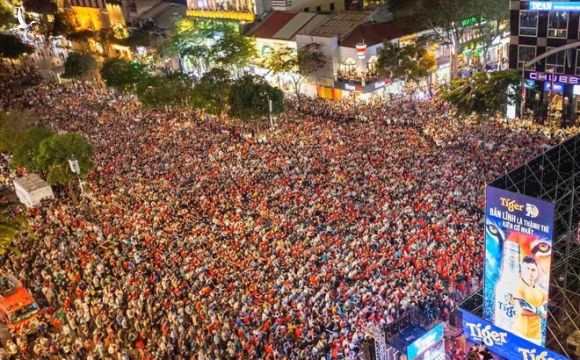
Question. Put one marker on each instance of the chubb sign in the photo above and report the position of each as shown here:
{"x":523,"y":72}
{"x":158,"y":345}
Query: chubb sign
{"x":564,"y":79}
{"x":502,"y":342}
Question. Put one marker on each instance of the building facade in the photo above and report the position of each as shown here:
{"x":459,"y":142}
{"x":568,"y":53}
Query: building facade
{"x":552,"y":83}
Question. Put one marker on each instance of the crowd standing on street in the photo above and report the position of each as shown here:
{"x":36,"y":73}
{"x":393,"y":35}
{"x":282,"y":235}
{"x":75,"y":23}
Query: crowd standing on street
{"x":195,"y":240}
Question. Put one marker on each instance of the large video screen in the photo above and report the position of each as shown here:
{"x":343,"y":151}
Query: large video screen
{"x":518,"y":251}
{"x":429,"y":346}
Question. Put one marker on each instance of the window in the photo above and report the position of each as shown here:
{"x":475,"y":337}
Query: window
{"x":331,"y":6}
{"x":318,"y":8}
{"x":558,"y":24}
{"x":578,"y":63}
{"x":528,"y":23}
{"x":306,"y":9}
{"x":525,"y":54}
{"x":556,"y":62}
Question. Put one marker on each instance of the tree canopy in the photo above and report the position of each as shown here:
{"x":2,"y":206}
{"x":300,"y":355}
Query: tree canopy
{"x":249,"y":99}
{"x":12,"y":47}
{"x":6,"y":14}
{"x":410,"y":62}
{"x":27,"y":145}
{"x":121,"y":73}
{"x":172,"y":90}
{"x":12,"y":124}
{"x":79,"y":65}
{"x":484,"y":93}
{"x":54,"y":153}
{"x":212,"y":91}
{"x":209,"y":43}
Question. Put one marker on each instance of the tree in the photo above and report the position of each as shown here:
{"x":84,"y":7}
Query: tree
{"x":6,"y":14}
{"x":54,"y":153}
{"x":490,"y":23}
{"x":121,"y":73}
{"x":442,"y":17}
{"x":484,"y":93}
{"x":411,"y":62}
{"x":12,"y":124}
{"x":40,"y":6}
{"x":79,"y":65}
{"x":27,"y":147}
{"x":249,"y":97}
{"x":282,"y":60}
{"x":191,"y":39}
{"x":12,"y":47}
{"x":209,"y":43}
{"x":158,"y":91}
{"x":212,"y":91}
{"x":64,"y":23}
{"x":310,"y":60}
{"x":233,"y":49}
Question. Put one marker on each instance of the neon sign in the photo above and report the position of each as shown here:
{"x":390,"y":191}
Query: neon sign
{"x":564,"y":79}
{"x":557,"y":88}
{"x":554,"y":6}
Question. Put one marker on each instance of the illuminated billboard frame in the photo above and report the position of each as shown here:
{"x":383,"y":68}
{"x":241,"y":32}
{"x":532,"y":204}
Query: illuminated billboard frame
{"x":554,"y":6}
{"x":518,"y":252}
{"x":425,"y":342}
{"x":503,"y":342}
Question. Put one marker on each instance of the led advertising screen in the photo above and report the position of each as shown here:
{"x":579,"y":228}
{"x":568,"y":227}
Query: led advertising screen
{"x":503,"y":343}
{"x":426,"y":347}
{"x":518,"y":251}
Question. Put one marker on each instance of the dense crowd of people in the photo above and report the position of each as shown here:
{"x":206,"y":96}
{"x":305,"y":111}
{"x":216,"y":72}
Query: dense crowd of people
{"x":196,"y":241}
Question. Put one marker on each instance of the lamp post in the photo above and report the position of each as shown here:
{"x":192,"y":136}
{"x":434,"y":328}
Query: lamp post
{"x":76,"y":169}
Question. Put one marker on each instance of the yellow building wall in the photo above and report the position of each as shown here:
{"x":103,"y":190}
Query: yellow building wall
{"x":88,"y":18}
{"x":115,"y":13}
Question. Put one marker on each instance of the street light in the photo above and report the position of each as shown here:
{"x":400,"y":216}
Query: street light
{"x":76,"y":169}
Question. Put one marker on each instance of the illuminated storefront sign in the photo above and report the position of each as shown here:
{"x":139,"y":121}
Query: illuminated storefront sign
{"x":556,"y":87}
{"x":555,"y":6}
{"x":470,"y":21}
{"x":349,"y":87}
{"x":225,"y":15}
{"x":564,"y":79}
{"x":502,"y":342}
{"x":425,"y":342}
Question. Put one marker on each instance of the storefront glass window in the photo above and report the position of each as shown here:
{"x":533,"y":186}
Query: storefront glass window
{"x":528,"y":23}
{"x":558,"y":24}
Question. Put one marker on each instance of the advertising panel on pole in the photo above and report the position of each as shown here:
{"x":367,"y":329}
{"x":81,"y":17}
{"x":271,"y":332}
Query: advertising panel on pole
{"x":502,"y":342}
{"x":429,"y":346}
{"x":518,"y":251}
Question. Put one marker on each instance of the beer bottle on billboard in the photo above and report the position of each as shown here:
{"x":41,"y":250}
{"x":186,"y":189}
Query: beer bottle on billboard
{"x":507,"y":285}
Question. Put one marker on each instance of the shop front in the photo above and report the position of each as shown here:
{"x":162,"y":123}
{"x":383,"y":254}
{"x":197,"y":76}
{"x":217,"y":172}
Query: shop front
{"x":553,"y":98}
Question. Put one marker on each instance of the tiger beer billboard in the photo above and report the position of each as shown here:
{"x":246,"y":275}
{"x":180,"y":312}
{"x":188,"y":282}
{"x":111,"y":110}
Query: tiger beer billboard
{"x":518,"y":251}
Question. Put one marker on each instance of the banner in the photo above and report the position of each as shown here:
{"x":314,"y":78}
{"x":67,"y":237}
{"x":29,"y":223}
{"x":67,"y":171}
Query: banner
{"x":502,"y":342}
{"x":518,"y":251}
{"x":429,"y":346}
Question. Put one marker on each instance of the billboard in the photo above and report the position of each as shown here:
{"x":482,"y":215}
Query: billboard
{"x":554,"y":5}
{"x":429,"y":346}
{"x":502,"y":342}
{"x":518,"y":251}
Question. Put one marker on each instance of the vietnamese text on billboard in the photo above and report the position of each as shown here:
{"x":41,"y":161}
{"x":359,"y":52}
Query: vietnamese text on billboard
{"x":518,"y":250}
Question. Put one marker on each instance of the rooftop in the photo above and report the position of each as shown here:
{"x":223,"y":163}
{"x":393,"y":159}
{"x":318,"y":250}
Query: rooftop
{"x":374,"y":33}
{"x":341,"y":25}
{"x":31,"y":182}
{"x":285,"y":25}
